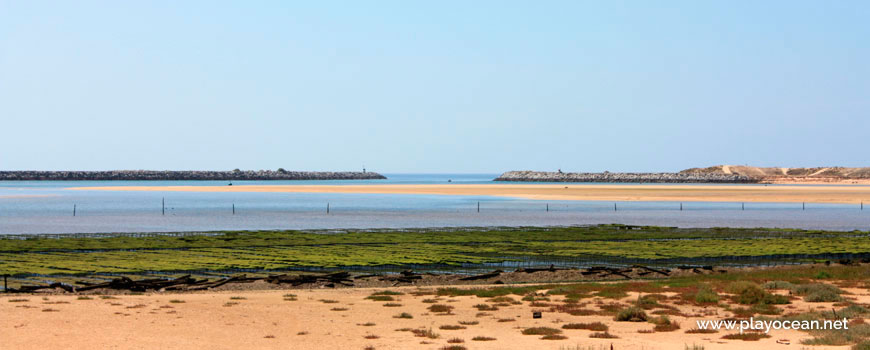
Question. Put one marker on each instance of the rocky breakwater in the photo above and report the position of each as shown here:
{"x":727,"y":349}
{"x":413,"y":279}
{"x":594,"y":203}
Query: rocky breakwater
{"x":543,"y":176}
{"x":139,"y":175}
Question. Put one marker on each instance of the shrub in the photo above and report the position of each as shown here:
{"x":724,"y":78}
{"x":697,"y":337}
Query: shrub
{"x":428,"y":333}
{"x":701,"y":331}
{"x":747,"y":336}
{"x":403,"y":315}
{"x":818,"y":292}
{"x":541,"y":331}
{"x":440,"y":308}
{"x":388,"y":292}
{"x":480,"y":338}
{"x":778,"y":285}
{"x":594,"y":326}
{"x":451,"y":327}
{"x":468,"y":323}
{"x":486,"y":307}
{"x":631,"y":314}
{"x":455,"y":340}
{"x":453,"y":347}
{"x":665,"y":324}
{"x":750,"y":293}
{"x":864,"y":345}
{"x":554,"y":337}
{"x":603,"y":335}
{"x":822,"y":275}
{"x":380,"y":298}
{"x":706,"y":295}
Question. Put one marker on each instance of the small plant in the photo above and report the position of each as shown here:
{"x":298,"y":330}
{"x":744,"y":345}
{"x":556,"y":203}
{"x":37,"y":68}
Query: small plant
{"x":238,"y":298}
{"x":822,"y":275}
{"x":594,"y":326}
{"x":367,"y":324}
{"x":455,"y":340}
{"x":665,"y":324}
{"x":778,"y":285}
{"x":388,"y":292}
{"x":107,"y":297}
{"x":603,"y":335}
{"x":369,"y":347}
{"x":269,"y":336}
{"x":427,"y":333}
{"x":371,"y":336}
{"x":176,"y":301}
{"x":468,"y":323}
{"x":706,"y":295}
{"x":451,"y":327}
{"x":430,"y":301}
{"x":20,"y":300}
{"x":554,"y":337}
{"x":440,"y":308}
{"x":84,"y":297}
{"x":820,"y":292}
{"x":339,"y":309}
{"x":506,"y":320}
{"x":453,"y":347}
{"x":328,"y":301}
{"x":485,"y":307}
{"x":302,"y":333}
{"x":380,"y":298}
{"x":481,"y":338}
{"x":230,"y":303}
{"x":747,"y":336}
{"x":290,"y":297}
{"x":631,"y":314}
{"x":541,"y":331}
{"x":392,"y":305}
{"x":701,"y":331}
{"x":50,"y":310}
{"x":694,"y":347}
{"x":404,"y":315}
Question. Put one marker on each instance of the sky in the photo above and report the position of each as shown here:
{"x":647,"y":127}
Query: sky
{"x":433,"y":86}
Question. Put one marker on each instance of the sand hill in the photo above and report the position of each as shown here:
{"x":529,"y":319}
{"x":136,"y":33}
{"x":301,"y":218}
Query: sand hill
{"x":791,"y":175}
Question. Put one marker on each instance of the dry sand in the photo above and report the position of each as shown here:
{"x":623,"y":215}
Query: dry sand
{"x":592,"y":192}
{"x":264,"y":320}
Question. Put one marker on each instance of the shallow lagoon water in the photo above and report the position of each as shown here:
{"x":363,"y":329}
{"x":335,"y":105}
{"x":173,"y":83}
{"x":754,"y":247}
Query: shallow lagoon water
{"x":47,"y":207}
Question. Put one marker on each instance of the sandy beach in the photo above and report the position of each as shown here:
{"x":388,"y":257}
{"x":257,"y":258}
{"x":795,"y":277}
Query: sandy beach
{"x":337,"y":319}
{"x":589,"y":192}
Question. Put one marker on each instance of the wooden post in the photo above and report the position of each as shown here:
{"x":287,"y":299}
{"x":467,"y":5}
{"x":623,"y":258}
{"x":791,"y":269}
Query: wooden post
{"x":862,"y":205}
{"x":743,"y":206}
{"x":234,"y":208}
{"x":327,"y":207}
{"x":74,"y":210}
{"x":548,"y":206}
{"x":681,"y":206}
{"x":803,"y":205}
{"x":614,"y":206}
{"x":163,"y":206}
{"x":478,"y":207}
{"x":5,"y":286}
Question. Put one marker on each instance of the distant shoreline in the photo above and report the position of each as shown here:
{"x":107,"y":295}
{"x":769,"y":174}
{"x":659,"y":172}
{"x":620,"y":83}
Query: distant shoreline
{"x":173,"y":175}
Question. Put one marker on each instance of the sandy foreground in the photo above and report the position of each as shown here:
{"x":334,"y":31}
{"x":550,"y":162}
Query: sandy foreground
{"x":264,"y":319}
{"x":591,"y":192}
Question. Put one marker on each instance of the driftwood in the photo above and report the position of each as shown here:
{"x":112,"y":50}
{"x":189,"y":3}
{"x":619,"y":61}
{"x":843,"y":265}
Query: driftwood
{"x":552,"y":268}
{"x":648,"y":270}
{"x":484,"y":276}
{"x":603,"y":271}
{"x":406,"y":276}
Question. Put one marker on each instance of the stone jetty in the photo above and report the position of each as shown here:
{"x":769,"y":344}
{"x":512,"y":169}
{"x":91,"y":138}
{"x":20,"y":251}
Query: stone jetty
{"x":139,"y":175}
{"x":543,"y":176}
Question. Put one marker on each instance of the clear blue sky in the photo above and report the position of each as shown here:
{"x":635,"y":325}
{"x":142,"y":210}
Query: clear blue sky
{"x":436,"y":86}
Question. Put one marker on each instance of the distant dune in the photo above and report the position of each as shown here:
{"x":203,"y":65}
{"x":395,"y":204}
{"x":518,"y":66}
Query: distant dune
{"x":789,"y":175}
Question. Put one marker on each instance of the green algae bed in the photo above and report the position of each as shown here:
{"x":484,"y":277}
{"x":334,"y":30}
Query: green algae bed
{"x":275,"y":250}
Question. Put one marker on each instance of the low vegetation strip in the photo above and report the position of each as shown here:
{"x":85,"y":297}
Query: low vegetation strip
{"x":274,"y":250}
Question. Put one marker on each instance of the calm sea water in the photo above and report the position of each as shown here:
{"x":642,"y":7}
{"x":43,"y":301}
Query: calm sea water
{"x":47,"y":207}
